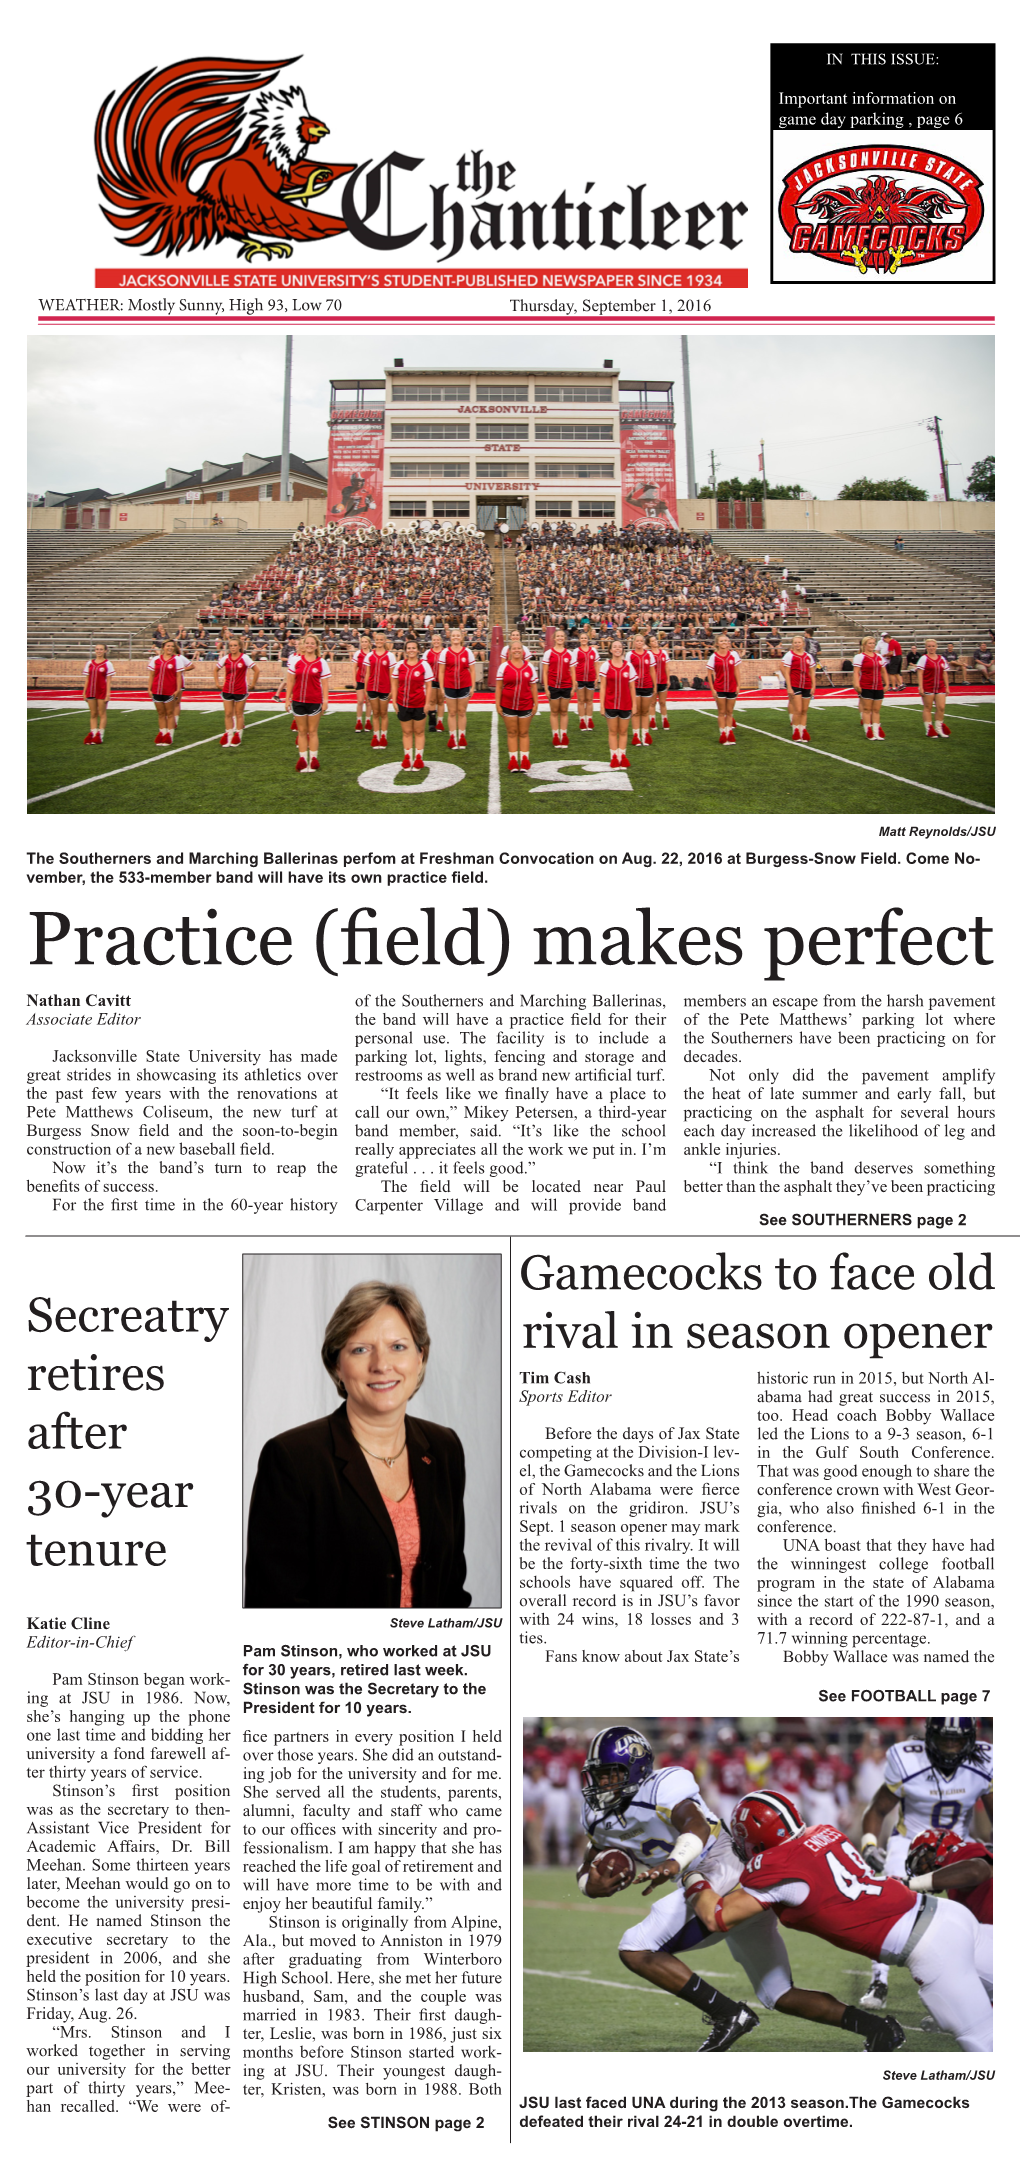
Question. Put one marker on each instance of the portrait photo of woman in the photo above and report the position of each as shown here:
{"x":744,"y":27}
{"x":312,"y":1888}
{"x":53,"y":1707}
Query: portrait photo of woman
{"x":374,"y":1505}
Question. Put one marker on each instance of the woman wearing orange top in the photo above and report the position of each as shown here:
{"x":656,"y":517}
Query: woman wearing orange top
{"x":722,"y":664}
{"x":558,"y":684}
{"x":515,"y":695}
{"x":410,"y":684}
{"x":642,"y":663}
{"x":799,"y":672}
{"x":616,"y":699}
{"x":307,"y":690}
{"x":661,"y":662}
{"x":586,"y":672}
{"x":237,"y":676}
{"x":871,"y":682}
{"x":97,"y":674}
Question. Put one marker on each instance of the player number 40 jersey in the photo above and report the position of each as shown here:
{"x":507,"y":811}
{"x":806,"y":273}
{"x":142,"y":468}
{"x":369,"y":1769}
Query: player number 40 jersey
{"x":929,"y":1800}
{"x":644,"y":1828}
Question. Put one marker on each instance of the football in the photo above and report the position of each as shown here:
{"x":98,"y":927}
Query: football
{"x":616,"y":1867}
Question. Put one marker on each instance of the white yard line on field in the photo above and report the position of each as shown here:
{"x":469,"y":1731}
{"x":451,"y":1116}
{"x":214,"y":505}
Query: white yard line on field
{"x":887,"y":774}
{"x":494,"y":805}
{"x":151,"y":762}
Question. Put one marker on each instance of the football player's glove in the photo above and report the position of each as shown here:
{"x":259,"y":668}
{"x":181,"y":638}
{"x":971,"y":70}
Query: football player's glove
{"x":873,"y":1852}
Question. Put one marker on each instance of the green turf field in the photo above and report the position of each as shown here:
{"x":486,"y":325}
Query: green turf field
{"x":684,"y":770}
{"x":577,"y":1994}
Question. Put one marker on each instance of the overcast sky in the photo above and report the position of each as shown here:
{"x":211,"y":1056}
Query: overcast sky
{"x":115,"y":411}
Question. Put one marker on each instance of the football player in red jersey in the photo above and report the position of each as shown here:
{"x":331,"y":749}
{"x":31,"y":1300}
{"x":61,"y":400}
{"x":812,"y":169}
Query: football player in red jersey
{"x":933,"y":678}
{"x":940,"y":1860}
{"x":722,"y":665}
{"x":813,"y":1879}
{"x":96,"y":675}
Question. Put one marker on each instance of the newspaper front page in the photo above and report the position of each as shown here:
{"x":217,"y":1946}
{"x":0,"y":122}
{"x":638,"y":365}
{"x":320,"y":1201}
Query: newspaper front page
{"x":512,"y":1255}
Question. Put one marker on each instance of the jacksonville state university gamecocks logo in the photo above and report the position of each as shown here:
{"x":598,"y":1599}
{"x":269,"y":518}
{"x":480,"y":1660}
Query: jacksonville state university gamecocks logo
{"x":208,"y":151}
{"x":887,"y":209}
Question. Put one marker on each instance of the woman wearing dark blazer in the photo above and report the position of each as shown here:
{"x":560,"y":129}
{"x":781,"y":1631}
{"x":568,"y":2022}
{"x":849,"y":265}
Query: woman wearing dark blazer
{"x":363,"y":1509}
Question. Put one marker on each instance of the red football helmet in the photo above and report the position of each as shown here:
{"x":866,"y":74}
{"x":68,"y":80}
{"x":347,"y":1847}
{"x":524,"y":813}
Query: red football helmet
{"x":762,"y":1819}
{"x":932,"y":1848}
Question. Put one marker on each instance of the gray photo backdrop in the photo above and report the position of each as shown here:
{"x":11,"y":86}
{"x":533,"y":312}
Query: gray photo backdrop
{"x":287,"y":1302}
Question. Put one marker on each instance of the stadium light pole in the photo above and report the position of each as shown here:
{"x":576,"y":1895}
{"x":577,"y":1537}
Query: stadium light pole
{"x":288,"y":352}
{"x":685,"y":369}
{"x":935,"y":426}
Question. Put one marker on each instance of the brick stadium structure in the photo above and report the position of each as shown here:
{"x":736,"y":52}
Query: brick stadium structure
{"x":447,"y":451}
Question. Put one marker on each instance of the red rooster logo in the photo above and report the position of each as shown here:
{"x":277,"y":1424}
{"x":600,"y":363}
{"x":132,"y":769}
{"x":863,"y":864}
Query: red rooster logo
{"x":209,"y":151}
{"x":880,"y":205}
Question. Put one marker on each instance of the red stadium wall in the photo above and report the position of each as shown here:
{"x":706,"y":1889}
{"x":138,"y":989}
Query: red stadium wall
{"x":355,"y":488}
{"x":647,"y":468}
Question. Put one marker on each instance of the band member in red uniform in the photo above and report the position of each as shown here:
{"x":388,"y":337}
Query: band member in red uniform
{"x":558,"y":684}
{"x":379,"y":671}
{"x":814,"y":1880}
{"x":661,"y":661}
{"x":434,"y":694}
{"x":940,"y":1860}
{"x":361,"y":654}
{"x":722,"y":665}
{"x":410,"y":685}
{"x":166,"y":671}
{"x":307,"y":689}
{"x":799,"y":672}
{"x":872,"y":683}
{"x":616,"y":699}
{"x":456,"y":676}
{"x":642,"y":662}
{"x":586,"y":671}
{"x":515,"y":694}
{"x":97,"y":675}
{"x":237,"y":676}
{"x":933,"y":678}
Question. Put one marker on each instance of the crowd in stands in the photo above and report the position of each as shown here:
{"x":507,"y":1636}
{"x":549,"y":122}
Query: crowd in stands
{"x":663,"y":579}
{"x":339,"y":582}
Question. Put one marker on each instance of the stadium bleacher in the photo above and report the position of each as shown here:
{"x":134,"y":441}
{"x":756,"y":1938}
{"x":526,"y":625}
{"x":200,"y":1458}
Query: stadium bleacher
{"x":856,"y":588}
{"x":118,"y":594}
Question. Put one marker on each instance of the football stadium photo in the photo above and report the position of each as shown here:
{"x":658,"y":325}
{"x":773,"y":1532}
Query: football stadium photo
{"x":764,"y":1884}
{"x":704,"y":575}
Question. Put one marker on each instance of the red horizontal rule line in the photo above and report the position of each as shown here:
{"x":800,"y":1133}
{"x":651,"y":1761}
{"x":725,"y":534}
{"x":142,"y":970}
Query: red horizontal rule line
{"x":333,"y":281}
{"x":280,"y":317}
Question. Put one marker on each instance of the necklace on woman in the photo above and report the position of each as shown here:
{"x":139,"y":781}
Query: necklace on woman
{"x":387,"y":1458}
